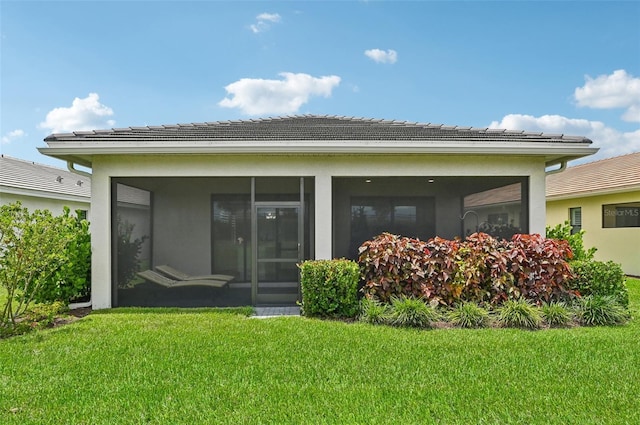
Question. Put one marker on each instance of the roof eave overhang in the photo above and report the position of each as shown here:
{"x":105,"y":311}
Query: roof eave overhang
{"x":82,"y":153}
{"x":590,"y":193}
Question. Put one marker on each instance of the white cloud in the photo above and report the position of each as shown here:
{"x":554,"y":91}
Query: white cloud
{"x":264,"y":21}
{"x":256,"y":96}
{"x":13,"y":135}
{"x":380,"y":56}
{"x":271,"y":17}
{"x":611,"y":142}
{"x":618,"y":90}
{"x":84,"y":114}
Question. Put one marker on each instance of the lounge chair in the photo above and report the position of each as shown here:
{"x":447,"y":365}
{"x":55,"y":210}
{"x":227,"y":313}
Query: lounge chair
{"x":154,"y":277}
{"x":180,"y":275}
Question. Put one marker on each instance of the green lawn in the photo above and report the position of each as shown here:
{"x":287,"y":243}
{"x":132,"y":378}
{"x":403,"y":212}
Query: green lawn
{"x":170,"y":367}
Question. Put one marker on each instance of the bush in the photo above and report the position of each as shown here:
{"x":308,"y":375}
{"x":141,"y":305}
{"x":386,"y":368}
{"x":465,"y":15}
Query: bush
{"x":440,"y":267}
{"x":72,"y":279}
{"x":412,"y":312}
{"x":374,"y":312}
{"x":564,"y":232}
{"x":539,"y":268}
{"x":469,"y":315}
{"x":519,"y":313}
{"x":392,"y":266}
{"x":600,"y":278}
{"x":601,"y":310}
{"x":329,"y":288}
{"x":483,"y":269}
{"x":556,"y":314}
{"x":128,"y":253}
{"x":34,"y":250}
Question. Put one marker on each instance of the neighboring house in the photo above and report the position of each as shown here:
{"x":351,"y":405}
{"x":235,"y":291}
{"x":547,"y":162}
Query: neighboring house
{"x":251,"y":199}
{"x":602,"y":198}
{"x":39,"y":186}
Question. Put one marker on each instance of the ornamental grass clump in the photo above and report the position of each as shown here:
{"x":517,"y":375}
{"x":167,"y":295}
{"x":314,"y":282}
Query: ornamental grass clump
{"x":519,"y":313}
{"x":412,"y":312}
{"x":469,"y":315}
{"x":601,"y":310}
{"x":374,"y":312}
{"x":556,"y":314}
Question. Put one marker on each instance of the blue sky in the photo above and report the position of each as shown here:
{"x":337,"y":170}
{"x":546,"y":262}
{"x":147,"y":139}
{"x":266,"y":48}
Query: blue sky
{"x":569,"y":67}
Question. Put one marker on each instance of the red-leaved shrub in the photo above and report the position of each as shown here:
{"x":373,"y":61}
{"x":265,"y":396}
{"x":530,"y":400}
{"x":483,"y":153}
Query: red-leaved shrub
{"x":392,"y":265}
{"x":483,"y":269}
{"x":539,"y":268}
{"x":440,"y":265}
{"x":480,"y":269}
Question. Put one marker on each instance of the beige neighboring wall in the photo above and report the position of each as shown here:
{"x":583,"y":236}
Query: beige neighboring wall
{"x":621,"y":245}
{"x":56,"y":206}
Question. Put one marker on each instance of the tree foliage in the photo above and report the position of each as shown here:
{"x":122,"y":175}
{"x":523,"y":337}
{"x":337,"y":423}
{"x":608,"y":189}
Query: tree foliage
{"x":43,"y":258}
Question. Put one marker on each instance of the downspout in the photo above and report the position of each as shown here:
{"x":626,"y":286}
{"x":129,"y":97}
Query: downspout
{"x":71,"y":167}
{"x":563,"y":166}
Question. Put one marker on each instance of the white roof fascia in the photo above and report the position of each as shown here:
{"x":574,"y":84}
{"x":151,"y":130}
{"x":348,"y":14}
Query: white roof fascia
{"x":44,"y":194}
{"x":316,"y":147}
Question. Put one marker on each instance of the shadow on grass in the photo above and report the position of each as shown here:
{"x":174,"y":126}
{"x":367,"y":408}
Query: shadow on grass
{"x":242,"y":311}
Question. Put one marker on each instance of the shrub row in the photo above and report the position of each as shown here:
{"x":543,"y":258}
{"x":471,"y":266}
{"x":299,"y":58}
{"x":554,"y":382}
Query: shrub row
{"x":480,"y":269}
{"x":592,"y":310}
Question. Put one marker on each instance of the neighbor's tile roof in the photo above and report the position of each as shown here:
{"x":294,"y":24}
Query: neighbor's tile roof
{"x":607,"y":175}
{"x":501,"y":195}
{"x":311,"y":127}
{"x":27,"y":175}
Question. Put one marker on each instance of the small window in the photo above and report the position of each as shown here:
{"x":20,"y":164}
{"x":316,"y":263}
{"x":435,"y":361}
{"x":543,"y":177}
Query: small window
{"x":621,"y":215}
{"x":575,"y":219}
{"x":82,"y":214}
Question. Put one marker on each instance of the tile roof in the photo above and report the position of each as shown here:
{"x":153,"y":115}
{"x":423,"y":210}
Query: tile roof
{"x":501,"y":195}
{"x":30,"y":176}
{"x":311,"y":127}
{"x":617,"y":174}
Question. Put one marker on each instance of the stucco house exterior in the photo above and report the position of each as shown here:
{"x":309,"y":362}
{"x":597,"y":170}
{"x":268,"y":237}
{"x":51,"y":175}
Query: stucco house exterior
{"x":248,"y":200}
{"x":603,"y":198}
{"x":39,"y":186}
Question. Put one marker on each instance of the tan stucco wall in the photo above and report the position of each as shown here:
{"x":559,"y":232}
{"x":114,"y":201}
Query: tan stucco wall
{"x":320,"y":167}
{"x":621,"y":245}
{"x":56,"y":206}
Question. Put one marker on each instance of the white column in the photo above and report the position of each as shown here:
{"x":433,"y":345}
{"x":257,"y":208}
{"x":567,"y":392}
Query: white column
{"x":537,"y":202}
{"x":323,"y":214}
{"x":100,"y":241}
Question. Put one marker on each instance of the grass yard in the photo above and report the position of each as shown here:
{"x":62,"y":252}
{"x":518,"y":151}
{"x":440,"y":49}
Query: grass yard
{"x":129,"y":366}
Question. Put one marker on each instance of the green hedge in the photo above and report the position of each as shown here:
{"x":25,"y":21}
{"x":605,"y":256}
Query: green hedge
{"x":600,"y":278}
{"x":329,"y":288}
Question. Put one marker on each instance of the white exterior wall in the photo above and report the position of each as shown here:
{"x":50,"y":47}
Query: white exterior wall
{"x":321,"y":167}
{"x":55,"y":205}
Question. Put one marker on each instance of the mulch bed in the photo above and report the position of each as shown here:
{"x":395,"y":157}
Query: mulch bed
{"x":80,"y":312}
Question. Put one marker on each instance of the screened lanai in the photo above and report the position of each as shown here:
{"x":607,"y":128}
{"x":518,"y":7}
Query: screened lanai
{"x":219,"y":213}
{"x":247,"y":234}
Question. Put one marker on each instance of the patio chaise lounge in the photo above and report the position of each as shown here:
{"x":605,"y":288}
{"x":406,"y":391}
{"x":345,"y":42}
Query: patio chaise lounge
{"x":154,"y":277}
{"x":180,"y":275}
